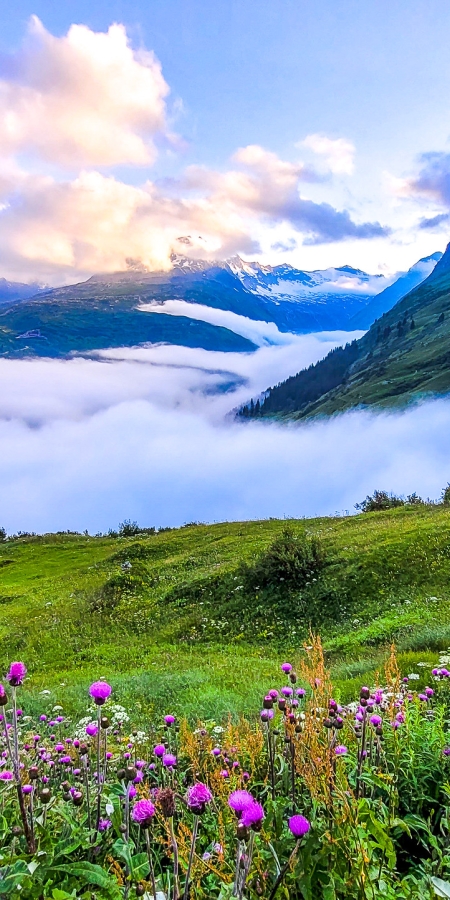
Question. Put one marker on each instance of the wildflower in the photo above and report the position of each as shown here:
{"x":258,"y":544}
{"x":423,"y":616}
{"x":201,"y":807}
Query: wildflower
{"x":216,"y":751}
{"x":27,"y":789}
{"x":169,"y":760}
{"x":301,"y":692}
{"x":159,"y":750}
{"x":273,"y":693}
{"x":16,"y":674}
{"x":91,"y":729}
{"x":252,"y":816}
{"x":429,"y":692}
{"x":224,"y":773}
{"x":100,"y":691}
{"x":340,"y":750}
{"x":239,"y":800}
{"x":198,"y":796}
{"x":166,"y":801}
{"x":6,"y":775}
{"x":286,"y":668}
{"x":266,"y":715}
{"x":42,"y":718}
{"x":169,"y":720}
{"x":3,"y":697}
{"x":143,"y":812}
{"x":423,"y":697}
{"x":287,"y":691}
{"x":65,"y":760}
{"x":298,"y":826}
{"x":104,"y":824}
{"x":376,"y":721}
{"x":446,"y":752}
{"x":132,"y":791}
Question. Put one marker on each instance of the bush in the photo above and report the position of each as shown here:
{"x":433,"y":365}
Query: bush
{"x":381,"y":500}
{"x":290,"y":564}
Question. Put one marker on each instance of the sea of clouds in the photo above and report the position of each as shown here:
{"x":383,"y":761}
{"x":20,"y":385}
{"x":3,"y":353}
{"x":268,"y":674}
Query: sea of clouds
{"x":146,"y":434}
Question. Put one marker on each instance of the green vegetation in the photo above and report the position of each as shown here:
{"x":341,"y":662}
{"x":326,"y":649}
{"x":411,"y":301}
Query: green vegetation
{"x":86,"y":324}
{"x":200,"y":615}
{"x":404,"y":357}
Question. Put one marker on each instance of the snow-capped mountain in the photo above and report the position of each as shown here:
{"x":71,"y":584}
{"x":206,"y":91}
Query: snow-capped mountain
{"x":405,"y":282}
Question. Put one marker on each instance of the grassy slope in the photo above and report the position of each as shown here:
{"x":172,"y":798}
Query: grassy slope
{"x":84,"y":325}
{"x":403,"y":357}
{"x":395,"y":567}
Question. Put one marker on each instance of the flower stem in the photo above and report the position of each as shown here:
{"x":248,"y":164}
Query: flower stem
{"x":150,"y":862}
{"x":284,"y":870}
{"x":16,"y":768}
{"x":176,"y":887}
{"x":191,"y":857}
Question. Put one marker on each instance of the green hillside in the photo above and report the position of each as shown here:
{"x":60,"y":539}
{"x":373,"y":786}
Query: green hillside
{"x":82,"y":325}
{"x":180,"y":611}
{"x":404,"y":357}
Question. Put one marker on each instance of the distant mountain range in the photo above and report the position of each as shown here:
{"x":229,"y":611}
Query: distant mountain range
{"x":405,"y":356}
{"x":108,"y":310}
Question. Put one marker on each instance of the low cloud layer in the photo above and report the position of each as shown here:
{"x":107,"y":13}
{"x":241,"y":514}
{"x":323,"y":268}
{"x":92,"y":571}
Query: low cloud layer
{"x":143,"y":434}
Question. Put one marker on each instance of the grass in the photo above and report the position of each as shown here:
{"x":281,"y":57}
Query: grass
{"x":176,"y":629}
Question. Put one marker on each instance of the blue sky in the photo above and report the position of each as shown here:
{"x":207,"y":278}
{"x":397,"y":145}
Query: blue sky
{"x":271,"y":73}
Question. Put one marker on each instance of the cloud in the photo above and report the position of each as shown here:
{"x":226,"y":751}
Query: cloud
{"x":84,"y":99}
{"x":62,"y":231}
{"x":68,"y":431}
{"x":432,"y":181}
{"x":435,"y":222}
{"x":338,"y":154}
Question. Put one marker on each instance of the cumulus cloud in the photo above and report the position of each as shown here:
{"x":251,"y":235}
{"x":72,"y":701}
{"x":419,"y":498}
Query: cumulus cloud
{"x":68,"y":431}
{"x":338,"y":154}
{"x":84,"y":99}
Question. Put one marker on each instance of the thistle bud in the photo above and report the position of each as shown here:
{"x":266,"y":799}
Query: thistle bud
{"x":242,"y":832}
{"x":33,"y":773}
{"x":77,"y":798}
{"x":166,"y":802}
{"x":140,"y":890}
{"x":104,"y":722}
{"x":45,"y":795}
{"x":130,"y":773}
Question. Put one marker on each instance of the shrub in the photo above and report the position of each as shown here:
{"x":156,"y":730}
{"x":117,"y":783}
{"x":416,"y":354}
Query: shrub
{"x":381,"y":500}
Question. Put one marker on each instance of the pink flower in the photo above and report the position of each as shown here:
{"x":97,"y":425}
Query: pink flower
{"x":252,"y":816}
{"x":91,"y":729}
{"x":198,"y":796}
{"x":340,"y":750}
{"x":143,"y":812}
{"x":100,"y":691}
{"x":298,"y":826}
{"x":16,"y":674}
{"x":239,"y":800}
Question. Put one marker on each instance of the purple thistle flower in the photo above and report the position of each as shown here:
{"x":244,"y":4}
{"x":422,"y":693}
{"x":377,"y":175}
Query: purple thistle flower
{"x":169,"y":760}
{"x":59,"y":719}
{"x":287,"y":691}
{"x":169,"y":720}
{"x":58,"y":748}
{"x":224,"y":773}
{"x":197,"y":797}
{"x":100,"y":691}
{"x":238,"y":800}
{"x":273,"y":693}
{"x":376,"y":720}
{"x":42,"y":718}
{"x":286,"y":668}
{"x":132,"y":791}
{"x":266,"y":714}
{"x":104,"y":824}
{"x":298,"y":826}
{"x":423,"y":697}
{"x":16,"y":674}
{"x":143,"y":812}
{"x":6,"y":775}
{"x":27,"y":788}
{"x":159,"y":750}
{"x":91,"y":729}
{"x":252,"y":815}
{"x":446,"y":752}
{"x":429,"y":692}
{"x":66,"y":760}
{"x":340,"y":750}
{"x":301,"y":692}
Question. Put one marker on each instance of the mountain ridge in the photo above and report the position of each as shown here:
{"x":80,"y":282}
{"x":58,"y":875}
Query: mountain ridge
{"x":403,"y":358}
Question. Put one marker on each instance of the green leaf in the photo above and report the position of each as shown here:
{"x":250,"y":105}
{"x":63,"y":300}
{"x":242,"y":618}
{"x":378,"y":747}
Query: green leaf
{"x":91,"y":874}
{"x":441,"y":888}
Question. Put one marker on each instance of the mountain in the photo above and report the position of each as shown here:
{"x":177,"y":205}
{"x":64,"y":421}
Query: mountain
{"x":405,"y":283}
{"x":405,"y":356}
{"x":14,"y":291}
{"x":108,"y":310}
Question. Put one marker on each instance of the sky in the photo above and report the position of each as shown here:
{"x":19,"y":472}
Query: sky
{"x":285,"y":131}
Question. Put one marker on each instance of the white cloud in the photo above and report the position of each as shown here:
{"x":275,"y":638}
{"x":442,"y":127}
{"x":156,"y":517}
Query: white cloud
{"x":84,"y":99}
{"x":339,"y":154}
{"x":68,"y":431}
